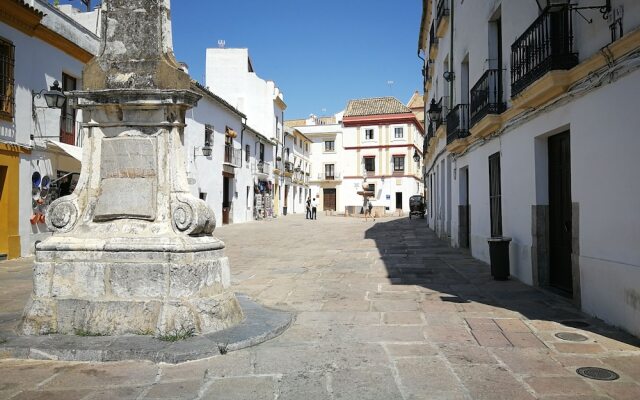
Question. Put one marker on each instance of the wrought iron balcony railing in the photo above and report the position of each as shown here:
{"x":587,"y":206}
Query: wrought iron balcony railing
{"x":545,"y":46}
{"x":232,"y":156}
{"x":261,"y":167}
{"x":443,"y":105}
{"x":288,"y":166}
{"x":486,"y":96}
{"x":458,"y":123}
{"x":442,"y":10}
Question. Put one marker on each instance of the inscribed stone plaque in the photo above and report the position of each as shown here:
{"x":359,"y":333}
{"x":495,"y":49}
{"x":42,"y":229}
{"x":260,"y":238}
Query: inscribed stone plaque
{"x":128,"y":173}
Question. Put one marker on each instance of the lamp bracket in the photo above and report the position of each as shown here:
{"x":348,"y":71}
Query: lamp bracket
{"x":604,"y":9}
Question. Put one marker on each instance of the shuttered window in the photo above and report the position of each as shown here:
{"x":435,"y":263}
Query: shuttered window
{"x":7,"y":90}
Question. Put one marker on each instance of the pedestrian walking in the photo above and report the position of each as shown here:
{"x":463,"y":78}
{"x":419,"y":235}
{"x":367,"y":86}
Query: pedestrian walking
{"x":314,"y":208}
{"x":368,"y":206}
{"x":308,"y":216}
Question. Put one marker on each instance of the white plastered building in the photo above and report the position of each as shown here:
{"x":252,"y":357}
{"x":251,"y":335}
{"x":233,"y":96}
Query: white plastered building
{"x":537,"y":141}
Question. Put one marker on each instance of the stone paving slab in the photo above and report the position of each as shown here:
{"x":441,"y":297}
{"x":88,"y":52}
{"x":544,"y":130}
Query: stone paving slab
{"x":383,"y":310}
{"x":260,"y":324}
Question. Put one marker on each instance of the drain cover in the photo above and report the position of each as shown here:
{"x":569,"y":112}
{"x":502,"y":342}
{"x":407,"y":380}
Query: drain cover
{"x":575,"y":324}
{"x":570,"y":336}
{"x":596,"y":373}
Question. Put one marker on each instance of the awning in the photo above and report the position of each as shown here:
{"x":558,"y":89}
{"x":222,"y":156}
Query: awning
{"x":73,"y":151}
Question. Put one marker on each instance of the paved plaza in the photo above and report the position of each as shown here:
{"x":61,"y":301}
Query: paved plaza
{"x":384,"y":310}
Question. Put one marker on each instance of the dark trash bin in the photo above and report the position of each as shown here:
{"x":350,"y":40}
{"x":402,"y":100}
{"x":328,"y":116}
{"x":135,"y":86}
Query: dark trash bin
{"x":499,"y":254}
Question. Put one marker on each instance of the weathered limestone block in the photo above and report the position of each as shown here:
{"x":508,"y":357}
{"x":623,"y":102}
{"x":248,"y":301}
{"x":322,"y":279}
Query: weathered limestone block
{"x":218,"y":313}
{"x":137,"y":280}
{"x":40,"y":317}
{"x":85,"y":280}
{"x":42,"y":278}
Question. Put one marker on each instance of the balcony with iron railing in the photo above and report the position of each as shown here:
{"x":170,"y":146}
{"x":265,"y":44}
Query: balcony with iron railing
{"x":545,"y":46}
{"x":458,"y":123}
{"x":442,"y":17}
{"x":336,"y":176}
{"x":260,"y":167}
{"x":486,"y":96}
{"x":232,"y":156}
{"x":443,"y":106}
{"x":288,"y":167}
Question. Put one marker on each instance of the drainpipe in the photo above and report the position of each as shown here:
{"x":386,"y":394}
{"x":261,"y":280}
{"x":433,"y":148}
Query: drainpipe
{"x":451,"y":85}
{"x":426,"y":118}
{"x":244,"y":126}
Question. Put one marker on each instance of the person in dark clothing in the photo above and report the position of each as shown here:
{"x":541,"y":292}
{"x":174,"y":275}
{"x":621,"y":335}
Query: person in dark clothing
{"x":314,"y":208}
{"x":308,"y":216}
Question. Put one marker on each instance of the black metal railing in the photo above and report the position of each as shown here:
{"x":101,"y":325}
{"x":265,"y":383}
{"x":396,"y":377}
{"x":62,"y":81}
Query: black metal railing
{"x":458,"y":123}
{"x":486,"y":96}
{"x":288,"y":166}
{"x":442,"y":10}
{"x":232,"y":156}
{"x":443,"y":106}
{"x":545,"y":46}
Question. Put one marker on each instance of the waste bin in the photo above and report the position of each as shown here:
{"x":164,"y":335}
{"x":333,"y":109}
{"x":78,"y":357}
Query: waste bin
{"x":284,"y":210}
{"x":499,"y":254}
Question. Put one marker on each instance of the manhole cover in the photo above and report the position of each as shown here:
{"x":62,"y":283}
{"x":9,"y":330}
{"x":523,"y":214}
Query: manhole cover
{"x":596,"y":373}
{"x":575,"y":324}
{"x":570,"y":336}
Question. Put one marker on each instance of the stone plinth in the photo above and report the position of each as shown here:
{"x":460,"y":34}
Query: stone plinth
{"x":132,"y":250}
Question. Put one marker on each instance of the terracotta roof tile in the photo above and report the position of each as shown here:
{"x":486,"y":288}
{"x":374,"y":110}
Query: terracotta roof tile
{"x":375,"y":106}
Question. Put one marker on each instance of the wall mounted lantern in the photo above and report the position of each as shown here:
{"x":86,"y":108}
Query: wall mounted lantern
{"x":416,"y":156}
{"x":449,"y":76}
{"x":206,"y":151}
{"x":434,"y":111}
{"x":53,"y":97}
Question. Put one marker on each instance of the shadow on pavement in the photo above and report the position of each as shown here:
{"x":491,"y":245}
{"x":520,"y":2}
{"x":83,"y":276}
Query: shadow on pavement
{"x":413,"y":255}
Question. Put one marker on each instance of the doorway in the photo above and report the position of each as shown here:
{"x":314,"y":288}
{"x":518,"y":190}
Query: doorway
{"x":4,"y":210}
{"x":560,"y":213}
{"x":226,"y":201}
{"x":464,"y":213}
{"x":398,"y":200}
{"x":329,"y":199}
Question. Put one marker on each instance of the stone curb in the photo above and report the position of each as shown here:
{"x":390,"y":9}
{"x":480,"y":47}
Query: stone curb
{"x":260,"y":324}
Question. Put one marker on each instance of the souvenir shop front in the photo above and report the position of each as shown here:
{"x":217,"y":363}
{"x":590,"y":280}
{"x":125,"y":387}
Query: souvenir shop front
{"x":263,"y":200}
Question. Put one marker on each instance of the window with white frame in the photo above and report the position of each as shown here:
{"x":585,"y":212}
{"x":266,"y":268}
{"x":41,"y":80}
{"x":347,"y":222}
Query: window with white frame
{"x":329,"y":145}
{"x":370,"y":164}
{"x":398,"y":163}
{"x":398,"y":132}
{"x":368,"y":134}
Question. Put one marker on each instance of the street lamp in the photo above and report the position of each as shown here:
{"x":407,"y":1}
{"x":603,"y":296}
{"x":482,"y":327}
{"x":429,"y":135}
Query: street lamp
{"x":53,"y":97}
{"x":434,"y":111}
{"x":416,"y":156}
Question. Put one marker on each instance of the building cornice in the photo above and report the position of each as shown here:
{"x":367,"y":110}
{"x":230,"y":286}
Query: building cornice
{"x":385,"y":146}
{"x":384,"y":119}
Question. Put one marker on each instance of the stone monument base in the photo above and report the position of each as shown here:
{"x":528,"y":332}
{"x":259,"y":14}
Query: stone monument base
{"x":171,"y":286}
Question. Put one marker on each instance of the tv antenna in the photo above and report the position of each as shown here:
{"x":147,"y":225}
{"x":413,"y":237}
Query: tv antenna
{"x":221,"y":43}
{"x":390,"y":83}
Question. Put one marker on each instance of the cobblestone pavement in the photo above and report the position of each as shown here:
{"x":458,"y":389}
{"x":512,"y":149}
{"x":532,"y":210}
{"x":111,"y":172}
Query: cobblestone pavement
{"x":384,"y":311}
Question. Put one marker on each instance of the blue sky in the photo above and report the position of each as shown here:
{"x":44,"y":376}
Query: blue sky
{"x":320,"y":53}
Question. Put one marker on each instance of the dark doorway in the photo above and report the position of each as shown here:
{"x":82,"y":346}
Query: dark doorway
{"x":226,"y":201}
{"x":398,"y":200}
{"x":329,"y":199}
{"x":464,"y":229}
{"x":560,"y":219}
